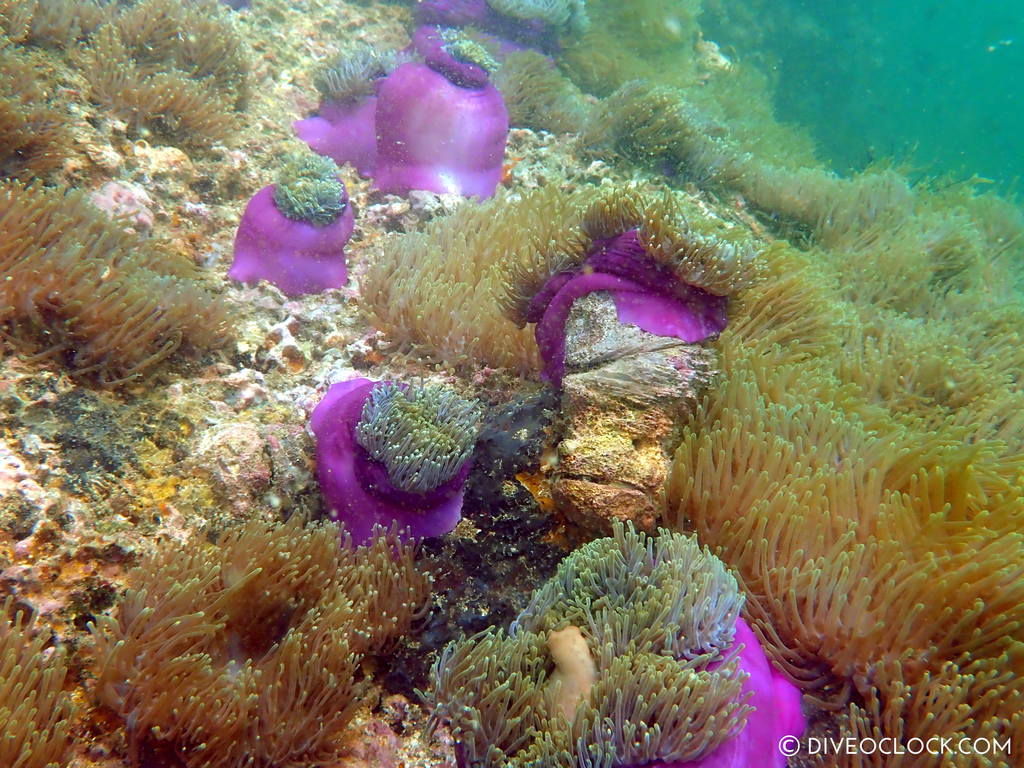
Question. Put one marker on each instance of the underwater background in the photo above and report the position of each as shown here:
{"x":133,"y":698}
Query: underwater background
{"x":510,"y":384}
{"x":931,"y":84}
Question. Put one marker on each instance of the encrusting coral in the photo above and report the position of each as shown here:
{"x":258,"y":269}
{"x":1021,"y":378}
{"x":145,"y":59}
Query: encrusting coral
{"x":81,"y":289}
{"x":626,"y":657}
{"x":35,"y":713}
{"x":247,"y":653}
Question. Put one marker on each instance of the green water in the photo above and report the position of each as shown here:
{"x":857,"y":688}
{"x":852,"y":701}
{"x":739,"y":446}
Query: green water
{"x":937,"y":84}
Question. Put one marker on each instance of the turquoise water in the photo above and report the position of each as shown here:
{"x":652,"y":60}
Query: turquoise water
{"x":938,"y":84}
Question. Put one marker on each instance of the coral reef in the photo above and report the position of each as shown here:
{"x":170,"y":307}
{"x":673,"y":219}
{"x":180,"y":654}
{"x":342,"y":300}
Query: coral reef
{"x":35,"y":713}
{"x":393,"y":454}
{"x":639,"y":632}
{"x":266,"y":629}
{"x":849,"y":442}
{"x":293,"y":233}
{"x":80,"y":289}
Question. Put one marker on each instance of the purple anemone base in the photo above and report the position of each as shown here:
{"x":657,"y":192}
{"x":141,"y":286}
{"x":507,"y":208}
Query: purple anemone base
{"x":646,"y":295}
{"x":344,"y":132}
{"x":477,"y":13}
{"x":438,"y":126}
{"x":777,"y":714}
{"x":296,"y":256}
{"x":356,"y":489}
{"x":441,"y":125}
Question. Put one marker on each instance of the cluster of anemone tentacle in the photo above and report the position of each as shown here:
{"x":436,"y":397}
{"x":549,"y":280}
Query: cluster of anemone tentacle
{"x":423,"y":435}
{"x":352,"y":76}
{"x":308,"y":189}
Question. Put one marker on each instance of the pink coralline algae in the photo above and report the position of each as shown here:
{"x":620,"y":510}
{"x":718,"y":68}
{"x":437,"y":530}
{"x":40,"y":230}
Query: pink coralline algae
{"x":293,"y":233}
{"x":646,"y":294}
{"x":392,"y":454}
{"x":128,"y":201}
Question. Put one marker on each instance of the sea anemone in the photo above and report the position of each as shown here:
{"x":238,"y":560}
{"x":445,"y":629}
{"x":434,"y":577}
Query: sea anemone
{"x":538,"y":96}
{"x":664,"y":278}
{"x":35,"y":714}
{"x":441,"y":125}
{"x":629,"y":656}
{"x":344,"y":127}
{"x":246,"y":654}
{"x":34,"y":137}
{"x":293,"y":233}
{"x":178,"y":68}
{"x":424,"y":291}
{"x":843,"y":452}
{"x":105,"y":302}
{"x":394,"y":454}
{"x":537,"y":23}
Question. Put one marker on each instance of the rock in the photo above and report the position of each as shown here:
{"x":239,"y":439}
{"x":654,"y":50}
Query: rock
{"x":624,"y":393}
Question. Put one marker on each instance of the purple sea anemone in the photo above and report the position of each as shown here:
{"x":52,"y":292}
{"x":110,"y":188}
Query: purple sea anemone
{"x":344,"y":132}
{"x":441,"y":125}
{"x":293,"y":233}
{"x":344,"y":127}
{"x":777,"y":714}
{"x":628,"y":657}
{"x":537,"y":23}
{"x":390,"y":453}
{"x":646,"y":294}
